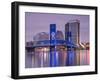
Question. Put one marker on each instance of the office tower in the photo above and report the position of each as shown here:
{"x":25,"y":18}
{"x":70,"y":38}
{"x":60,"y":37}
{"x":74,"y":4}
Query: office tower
{"x":74,"y":27}
{"x":52,"y":34}
{"x":53,"y":52}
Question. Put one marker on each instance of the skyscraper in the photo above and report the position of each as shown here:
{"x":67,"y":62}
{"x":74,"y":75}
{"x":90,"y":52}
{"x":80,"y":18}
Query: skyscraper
{"x":72,"y":37}
{"x":53,"y":53}
{"x":73,"y":27}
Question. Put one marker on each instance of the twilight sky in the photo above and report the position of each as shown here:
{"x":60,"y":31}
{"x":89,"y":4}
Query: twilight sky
{"x":40,"y":22}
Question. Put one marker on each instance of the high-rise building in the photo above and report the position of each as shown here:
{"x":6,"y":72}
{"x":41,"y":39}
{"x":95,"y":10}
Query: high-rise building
{"x":72,"y":37}
{"x":73,"y":27}
{"x":53,"y":42}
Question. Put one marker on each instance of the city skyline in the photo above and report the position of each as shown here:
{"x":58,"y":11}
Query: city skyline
{"x":57,"y":51}
{"x":39,"y":22}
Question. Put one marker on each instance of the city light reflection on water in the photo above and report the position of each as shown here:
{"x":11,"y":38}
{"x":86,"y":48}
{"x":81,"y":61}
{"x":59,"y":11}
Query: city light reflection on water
{"x":41,"y":57}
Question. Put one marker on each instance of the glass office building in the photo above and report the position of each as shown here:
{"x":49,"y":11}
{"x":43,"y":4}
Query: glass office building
{"x":74,"y":27}
{"x":79,"y":54}
{"x":72,"y":36}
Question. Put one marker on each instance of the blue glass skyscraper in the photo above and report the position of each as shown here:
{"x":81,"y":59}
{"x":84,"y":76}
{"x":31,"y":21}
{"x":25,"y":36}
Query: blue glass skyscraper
{"x":53,"y":52}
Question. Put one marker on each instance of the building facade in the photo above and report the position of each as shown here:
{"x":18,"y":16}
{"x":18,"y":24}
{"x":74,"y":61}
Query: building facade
{"x":73,"y":27}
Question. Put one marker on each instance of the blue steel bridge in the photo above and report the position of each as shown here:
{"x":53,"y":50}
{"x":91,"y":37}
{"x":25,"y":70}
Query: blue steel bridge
{"x":46,"y":43}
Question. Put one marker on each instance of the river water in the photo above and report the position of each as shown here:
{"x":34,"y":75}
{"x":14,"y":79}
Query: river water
{"x":41,"y":58}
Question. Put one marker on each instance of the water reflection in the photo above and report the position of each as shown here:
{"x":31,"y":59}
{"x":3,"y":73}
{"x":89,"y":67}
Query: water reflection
{"x":42,"y":57}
